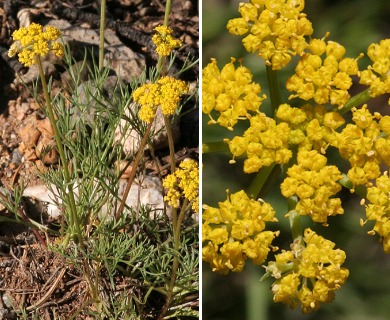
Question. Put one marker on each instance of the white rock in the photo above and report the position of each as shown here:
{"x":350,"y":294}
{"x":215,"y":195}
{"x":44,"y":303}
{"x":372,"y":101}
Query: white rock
{"x":148,"y":193}
{"x":130,"y":139}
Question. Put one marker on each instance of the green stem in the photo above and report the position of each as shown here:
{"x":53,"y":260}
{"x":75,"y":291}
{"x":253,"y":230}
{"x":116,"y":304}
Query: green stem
{"x":73,"y":218}
{"x":274,"y":90}
{"x":356,"y":100}
{"x":214,"y":147}
{"x":256,"y":295}
{"x":102,"y":29}
{"x":167,"y":12}
{"x":171,"y":143}
{"x":294,"y":218}
{"x":259,"y":181}
{"x":177,"y":221}
{"x":161,"y":63}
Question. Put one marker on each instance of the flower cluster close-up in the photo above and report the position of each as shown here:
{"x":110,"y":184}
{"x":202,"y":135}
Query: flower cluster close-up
{"x":376,"y":76}
{"x":230,"y":92}
{"x":313,"y":182}
{"x":378,"y":209}
{"x":277,"y":29}
{"x":236,"y":231}
{"x":325,"y":80}
{"x":309,"y":273}
{"x":297,"y":127}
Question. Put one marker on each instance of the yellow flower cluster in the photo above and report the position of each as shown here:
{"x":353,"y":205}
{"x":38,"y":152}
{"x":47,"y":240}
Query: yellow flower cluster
{"x":314,"y":183}
{"x":365,"y":144}
{"x":310,"y":127}
{"x":183,"y":183}
{"x":230,"y":92}
{"x":379,"y":209}
{"x":324,"y":80}
{"x":266,"y":141}
{"x":276,"y":28}
{"x":309,"y":273}
{"x":165,"y":93}
{"x":34,"y":41}
{"x":164,"y":41}
{"x":235,"y":231}
{"x":263,"y":143}
{"x":377,"y":76}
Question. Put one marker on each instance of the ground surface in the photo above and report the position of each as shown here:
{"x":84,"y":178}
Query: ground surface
{"x":30,"y":275}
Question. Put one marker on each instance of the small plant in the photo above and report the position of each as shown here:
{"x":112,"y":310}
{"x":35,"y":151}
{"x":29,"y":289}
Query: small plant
{"x":154,"y":254}
{"x":294,"y":144}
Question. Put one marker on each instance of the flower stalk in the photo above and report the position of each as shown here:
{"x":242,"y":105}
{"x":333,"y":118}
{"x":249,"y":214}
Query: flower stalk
{"x":73,"y":217}
{"x":101,"y":34}
{"x":274,"y":89}
{"x":134,"y":170}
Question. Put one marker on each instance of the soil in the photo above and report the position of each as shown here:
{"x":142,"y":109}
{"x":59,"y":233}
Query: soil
{"x":31,"y":276}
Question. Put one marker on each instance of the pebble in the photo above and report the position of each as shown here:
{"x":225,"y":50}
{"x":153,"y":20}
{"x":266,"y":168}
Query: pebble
{"x":7,"y":300}
{"x":16,"y":157}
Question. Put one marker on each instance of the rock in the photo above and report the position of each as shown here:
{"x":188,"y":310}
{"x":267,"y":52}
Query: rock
{"x":44,"y":126}
{"x":33,"y":73}
{"x":126,"y":63}
{"x":87,"y":103}
{"x":7,"y":301}
{"x":34,"y":105}
{"x":46,"y":150}
{"x":29,"y":135}
{"x":148,"y":192}
{"x":42,"y":193}
{"x":24,"y":16}
{"x":16,"y":157}
{"x":130,"y":139}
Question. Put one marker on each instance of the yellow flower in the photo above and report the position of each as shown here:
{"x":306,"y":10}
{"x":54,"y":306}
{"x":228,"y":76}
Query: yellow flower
{"x":265,"y":142}
{"x":183,"y":183}
{"x":363,"y":145}
{"x":165,"y":93}
{"x":378,"y":209}
{"x":310,"y":127}
{"x":324,"y":80}
{"x":236,"y":231}
{"x":309,"y":273}
{"x":377,"y":75}
{"x":230,"y":92}
{"x":35,"y":41}
{"x":277,"y":29}
{"x":314,"y":183}
{"x":164,"y":41}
